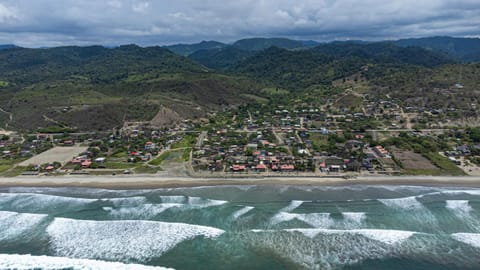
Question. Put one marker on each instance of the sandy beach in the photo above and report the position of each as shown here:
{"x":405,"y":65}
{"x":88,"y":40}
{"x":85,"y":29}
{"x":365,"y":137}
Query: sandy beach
{"x":149,"y":181}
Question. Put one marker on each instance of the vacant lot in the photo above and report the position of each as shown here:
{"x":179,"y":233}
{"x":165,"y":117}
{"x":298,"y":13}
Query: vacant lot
{"x":59,"y":154}
{"x":413,"y":161}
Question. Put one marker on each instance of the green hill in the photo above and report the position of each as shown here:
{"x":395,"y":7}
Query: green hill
{"x":95,"y":88}
{"x":385,"y":52}
{"x":7,"y":46}
{"x":187,"y":49}
{"x":220,"y":58}
{"x":300,"y":69}
{"x":259,"y":44}
{"x":463,"y":49}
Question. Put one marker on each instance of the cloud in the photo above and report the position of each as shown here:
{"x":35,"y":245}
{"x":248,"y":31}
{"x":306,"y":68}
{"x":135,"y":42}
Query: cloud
{"x":54,"y":22}
{"x":141,"y":7}
{"x":7,"y":14}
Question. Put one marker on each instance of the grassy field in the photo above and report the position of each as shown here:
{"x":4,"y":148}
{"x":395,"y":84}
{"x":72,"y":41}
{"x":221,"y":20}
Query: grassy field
{"x":14,"y":172}
{"x":186,"y":154}
{"x":4,"y":168}
{"x":160,"y":159}
{"x":444,"y":164}
{"x":119,"y":165}
{"x":147,"y":169}
{"x":187,"y":141}
{"x":444,"y":167}
{"x":274,"y":91}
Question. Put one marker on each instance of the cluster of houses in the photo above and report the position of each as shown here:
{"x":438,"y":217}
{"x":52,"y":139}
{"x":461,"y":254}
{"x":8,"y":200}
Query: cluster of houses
{"x":233,"y":153}
{"x":461,"y":151}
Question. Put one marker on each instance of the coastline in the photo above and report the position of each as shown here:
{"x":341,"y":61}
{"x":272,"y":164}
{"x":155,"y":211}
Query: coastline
{"x":152,"y":182}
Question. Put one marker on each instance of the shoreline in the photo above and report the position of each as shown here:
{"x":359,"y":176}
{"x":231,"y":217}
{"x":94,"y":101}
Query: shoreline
{"x":153,"y":182}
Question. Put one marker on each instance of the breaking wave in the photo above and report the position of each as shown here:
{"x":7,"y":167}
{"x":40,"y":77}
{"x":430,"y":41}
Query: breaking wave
{"x":120,"y":240}
{"x":472,"y":239}
{"x":241,"y":212}
{"x":15,"y":225}
{"x":28,"y":262}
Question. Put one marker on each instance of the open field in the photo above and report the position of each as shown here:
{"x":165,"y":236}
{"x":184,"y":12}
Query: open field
{"x":59,"y":154}
{"x":413,"y":161}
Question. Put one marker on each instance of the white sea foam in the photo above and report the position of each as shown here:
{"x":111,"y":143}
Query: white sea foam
{"x":241,"y":212}
{"x":143,"y":211}
{"x":354,"y":218}
{"x":127,"y":201}
{"x":459,"y":206}
{"x":120,"y":240}
{"x":173,"y":199}
{"x":317,"y":220}
{"x":334,"y":249}
{"x":14,"y":225}
{"x":292,"y":206}
{"x":39,"y":202}
{"x":197,"y":202}
{"x":407,"y":203}
{"x":472,"y":239}
{"x":474,"y":192}
{"x":389,"y":237}
{"x":28,"y":262}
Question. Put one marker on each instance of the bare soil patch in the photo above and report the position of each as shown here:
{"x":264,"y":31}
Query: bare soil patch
{"x":58,"y":154}
{"x":413,"y":161}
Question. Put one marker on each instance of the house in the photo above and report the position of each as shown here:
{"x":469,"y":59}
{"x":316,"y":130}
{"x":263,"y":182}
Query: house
{"x":380,"y":151}
{"x":334,"y":164}
{"x":287,"y":168}
{"x":238,"y":168}
{"x":463,"y":149}
{"x":261,"y":167}
{"x":86,"y":163}
{"x":252,"y":146}
{"x":68,"y":143}
{"x":100,"y":160}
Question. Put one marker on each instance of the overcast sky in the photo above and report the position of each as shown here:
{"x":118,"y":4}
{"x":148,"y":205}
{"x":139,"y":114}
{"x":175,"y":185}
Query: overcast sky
{"x":35,"y":23}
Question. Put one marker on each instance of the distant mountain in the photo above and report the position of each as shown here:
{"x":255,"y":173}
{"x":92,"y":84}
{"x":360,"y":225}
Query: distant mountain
{"x":187,"y":49}
{"x":8,"y":46}
{"x":220,"y":58}
{"x":296,"y":70}
{"x":259,"y":44}
{"x":385,"y":52}
{"x":99,"y":64}
{"x":95,"y":88}
{"x":310,"y":43}
{"x":463,"y":49}
{"x":300,"y":69}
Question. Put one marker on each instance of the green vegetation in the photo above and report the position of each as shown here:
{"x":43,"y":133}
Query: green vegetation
{"x":16,"y":171}
{"x":187,"y":141}
{"x":157,"y":161}
{"x":119,"y":165}
{"x":186,"y":154}
{"x":55,"y":129}
{"x":145,"y":169}
{"x":448,"y":167}
{"x":429,"y":148}
{"x":3,"y":83}
{"x":464,"y":49}
{"x":5,"y":167}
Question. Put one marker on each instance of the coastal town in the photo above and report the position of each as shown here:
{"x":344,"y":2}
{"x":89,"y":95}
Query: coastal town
{"x":376,"y":139}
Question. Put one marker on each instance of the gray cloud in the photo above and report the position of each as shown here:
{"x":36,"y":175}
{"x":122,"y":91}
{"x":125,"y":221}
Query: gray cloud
{"x":149,"y":22}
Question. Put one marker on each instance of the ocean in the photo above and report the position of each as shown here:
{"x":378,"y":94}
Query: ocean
{"x":241,"y":227}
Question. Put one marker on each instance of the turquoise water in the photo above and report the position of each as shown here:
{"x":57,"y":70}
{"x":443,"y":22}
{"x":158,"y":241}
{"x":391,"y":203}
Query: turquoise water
{"x":241,"y":227}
